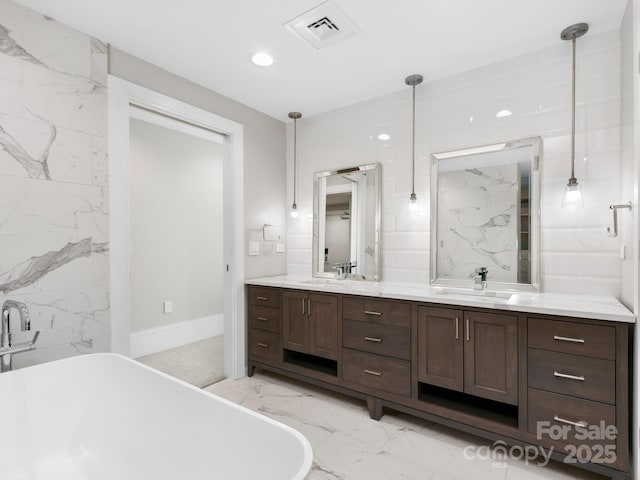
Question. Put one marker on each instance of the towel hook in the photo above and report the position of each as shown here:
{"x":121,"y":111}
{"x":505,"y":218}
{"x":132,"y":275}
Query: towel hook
{"x":615,"y":208}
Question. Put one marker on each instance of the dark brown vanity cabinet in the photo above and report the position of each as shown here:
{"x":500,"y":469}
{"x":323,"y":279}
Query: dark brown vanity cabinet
{"x":264,"y":324}
{"x":523,"y":378}
{"x":310,"y":323}
{"x":376,"y":340}
{"x":577,"y":388}
{"x":471,"y":352}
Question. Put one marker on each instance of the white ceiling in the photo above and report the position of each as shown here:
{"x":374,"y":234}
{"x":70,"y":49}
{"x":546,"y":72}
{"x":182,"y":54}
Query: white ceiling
{"x":210,"y":42}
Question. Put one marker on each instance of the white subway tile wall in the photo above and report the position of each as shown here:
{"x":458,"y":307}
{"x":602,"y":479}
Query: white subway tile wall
{"x":460,"y":111}
{"x":53,"y":179}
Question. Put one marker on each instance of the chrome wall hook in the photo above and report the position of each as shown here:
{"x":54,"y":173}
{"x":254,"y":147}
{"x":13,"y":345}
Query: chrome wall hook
{"x":614,"y":232}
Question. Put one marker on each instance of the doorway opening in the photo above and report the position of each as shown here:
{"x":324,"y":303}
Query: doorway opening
{"x":177,"y":308}
{"x":128,"y":101}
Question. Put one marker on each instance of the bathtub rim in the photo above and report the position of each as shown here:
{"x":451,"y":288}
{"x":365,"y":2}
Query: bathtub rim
{"x":307,"y":460}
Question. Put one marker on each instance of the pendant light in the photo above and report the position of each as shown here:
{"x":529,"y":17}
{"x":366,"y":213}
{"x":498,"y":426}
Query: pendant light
{"x":295,"y":116}
{"x":573,"y":191}
{"x":412,"y":81}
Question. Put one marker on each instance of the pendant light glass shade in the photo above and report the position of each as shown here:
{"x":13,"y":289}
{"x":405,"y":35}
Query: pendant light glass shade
{"x":295,"y":116}
{"x":572,"y":197}
{"x":412,"y":81}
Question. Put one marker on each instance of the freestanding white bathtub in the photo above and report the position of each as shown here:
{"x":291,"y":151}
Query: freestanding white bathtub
{"x":106,"y":417}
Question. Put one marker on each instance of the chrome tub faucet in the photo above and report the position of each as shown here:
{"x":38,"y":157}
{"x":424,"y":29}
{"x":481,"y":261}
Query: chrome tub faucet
{"x":7,"y":348}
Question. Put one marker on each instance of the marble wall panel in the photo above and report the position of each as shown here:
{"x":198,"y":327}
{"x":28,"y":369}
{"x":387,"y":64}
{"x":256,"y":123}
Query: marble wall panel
{"x":53,"y":178}
{"x":478,"y":223}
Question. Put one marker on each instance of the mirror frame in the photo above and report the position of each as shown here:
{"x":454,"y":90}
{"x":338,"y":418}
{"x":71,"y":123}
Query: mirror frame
{"x":375,"y":167}
{"x":535,"y":143}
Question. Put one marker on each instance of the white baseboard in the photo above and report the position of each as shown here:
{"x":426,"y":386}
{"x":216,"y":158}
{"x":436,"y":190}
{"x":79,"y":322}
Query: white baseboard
{"x":158,"y":339}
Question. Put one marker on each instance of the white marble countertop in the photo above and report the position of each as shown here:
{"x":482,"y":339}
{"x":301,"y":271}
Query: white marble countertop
{"x":570,"y":305}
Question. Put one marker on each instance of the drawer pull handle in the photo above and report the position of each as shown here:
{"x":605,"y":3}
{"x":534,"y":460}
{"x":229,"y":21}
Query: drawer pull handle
{"x":262,"y":319}
{"x":373,"y":339}
{"x":263,"y":298}
{"x":570,"y":377}
{"x":372,"y":372}
{"x":569,"y":422}
{"x":369,"y":312}
{"x":568,"y":339}
{"x":263,"y":345}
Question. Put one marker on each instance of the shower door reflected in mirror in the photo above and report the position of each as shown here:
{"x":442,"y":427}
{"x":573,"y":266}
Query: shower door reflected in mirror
{"x":346,"y":222}
{"x":485,"y":213}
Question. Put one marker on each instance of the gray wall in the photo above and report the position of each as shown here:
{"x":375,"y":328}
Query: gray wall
{"x":264,"y":154}
{"x":176,"y":226}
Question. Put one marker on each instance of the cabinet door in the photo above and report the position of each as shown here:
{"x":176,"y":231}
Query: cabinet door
{"x":491,"y":356}
{"x":323,"y":326}
{"x":440,"y":347}
{"x":295,"y":321}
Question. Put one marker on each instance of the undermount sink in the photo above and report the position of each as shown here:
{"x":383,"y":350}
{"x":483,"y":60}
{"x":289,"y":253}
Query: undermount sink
{"x":488,"y":294}
{"x":324,"y":281}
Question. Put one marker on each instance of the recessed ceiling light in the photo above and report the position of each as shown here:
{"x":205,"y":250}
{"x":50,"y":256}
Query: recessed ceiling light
{"x":383,"y":137}
{"x":262,"y":59}
{"x":504,"y":113}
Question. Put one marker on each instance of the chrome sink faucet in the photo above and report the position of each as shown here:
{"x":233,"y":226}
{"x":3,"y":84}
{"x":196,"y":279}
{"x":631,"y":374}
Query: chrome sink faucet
{"x":481,"y":278}
{"x":7,"y":348}
{"x":343,"y":270}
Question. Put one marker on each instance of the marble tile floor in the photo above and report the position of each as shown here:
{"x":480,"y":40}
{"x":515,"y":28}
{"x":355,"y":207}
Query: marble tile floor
{"x":348,"y":445}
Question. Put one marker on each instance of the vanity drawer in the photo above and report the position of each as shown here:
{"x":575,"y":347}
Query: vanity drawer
{"x":377,"y":311}
{"x":265,"y":345}
{"x":597,"y":341}
{"x":264,"y":318}
{"x":381,"y":339}
{"x":584,"y":377}
{"x":376,"y":371}
{"x":554,"y":409}
{"x":267,"y":297}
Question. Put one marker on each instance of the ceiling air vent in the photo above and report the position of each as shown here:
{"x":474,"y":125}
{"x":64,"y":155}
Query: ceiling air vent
{"x":322,"y":25}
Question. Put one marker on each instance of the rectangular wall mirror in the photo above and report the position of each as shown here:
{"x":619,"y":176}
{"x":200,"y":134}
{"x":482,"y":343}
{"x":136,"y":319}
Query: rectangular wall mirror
{"x":346,"y":223}
{"x":485,"y":212}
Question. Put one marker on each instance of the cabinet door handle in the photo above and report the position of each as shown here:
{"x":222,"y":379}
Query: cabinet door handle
{"x":373,"y":339}
{"x":263,"y":345}
{"x":303,"y":306}
{"x":467,"y":327}
{"x":457,"y":331}
{"x":262,"y":319}
{"x":570,"y":377}
{"x":309,"y":309}
{"x":263,"y":298}
{"x":569,"y":422}
{"x":369,"y":312}
{"x":568,"y":339}
{"x":372,"y":372}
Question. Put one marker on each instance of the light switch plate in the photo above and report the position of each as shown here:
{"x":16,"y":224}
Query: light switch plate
{"x":254,"y":248}
{"x":167,"y":306}
{"x":279,"y":247}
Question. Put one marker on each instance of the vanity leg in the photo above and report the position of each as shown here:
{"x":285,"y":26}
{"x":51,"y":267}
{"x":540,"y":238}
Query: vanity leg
{"x":251,"y":370}
{"x":375,"y":407}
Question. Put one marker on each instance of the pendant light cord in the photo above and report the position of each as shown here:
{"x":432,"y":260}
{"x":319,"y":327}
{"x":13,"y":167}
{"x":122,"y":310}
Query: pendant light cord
{"x":295,"y":160}
{"x":413,"y":146}
{"x":572,"y":180}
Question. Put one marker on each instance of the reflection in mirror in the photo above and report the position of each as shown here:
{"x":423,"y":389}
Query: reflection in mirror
{"x":346,"y":223}
{"x":485,"y":214}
